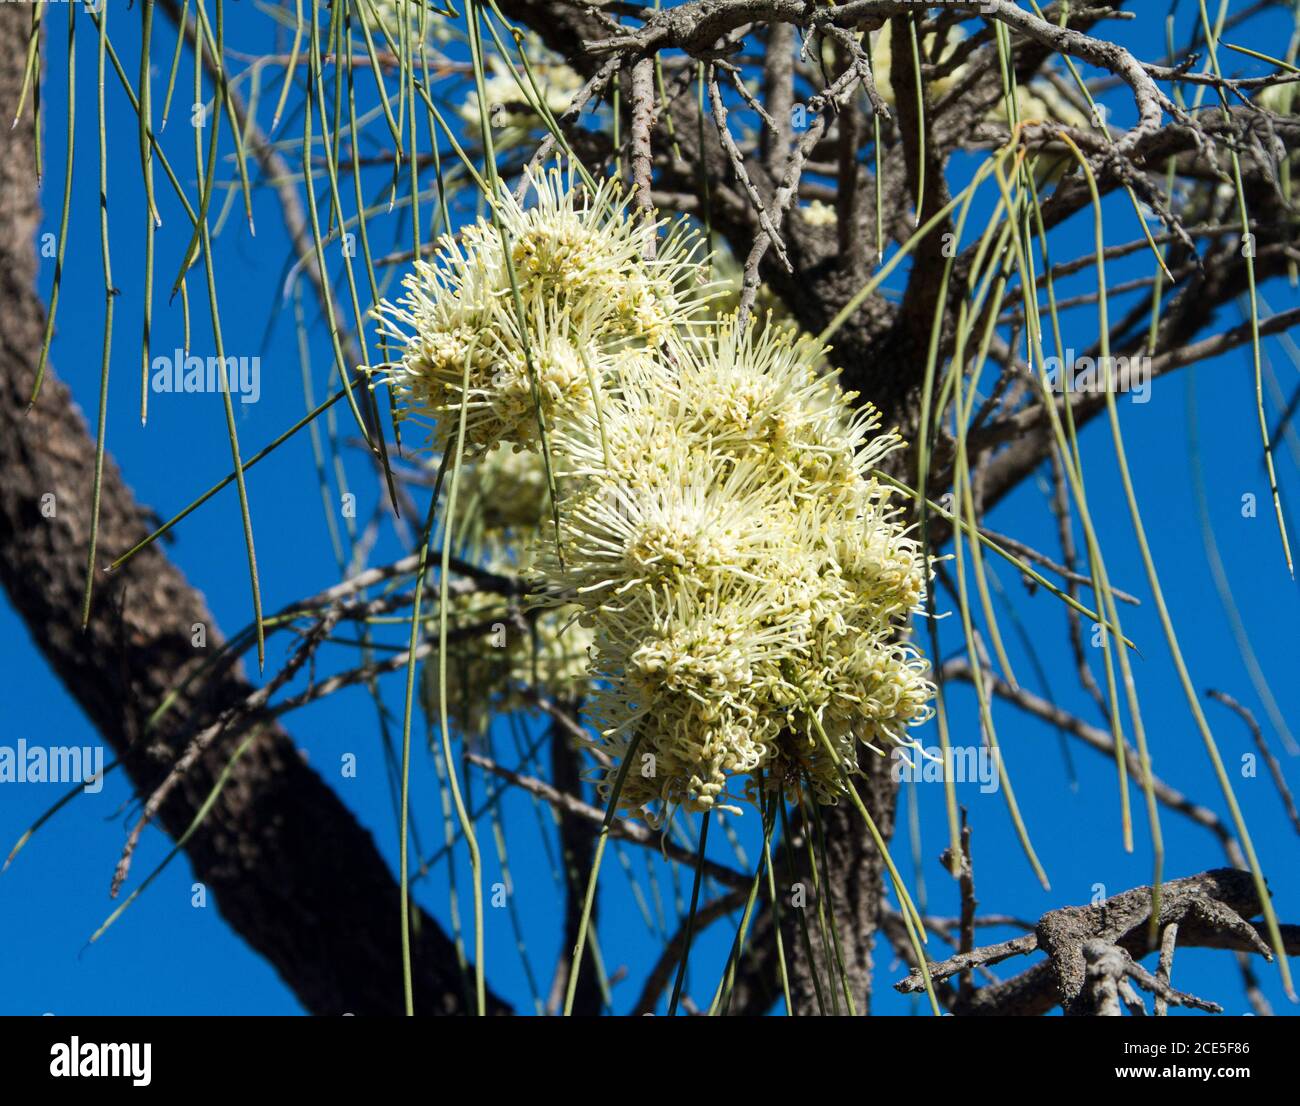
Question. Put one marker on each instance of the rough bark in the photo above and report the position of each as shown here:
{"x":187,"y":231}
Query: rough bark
{"x":855,"y":887}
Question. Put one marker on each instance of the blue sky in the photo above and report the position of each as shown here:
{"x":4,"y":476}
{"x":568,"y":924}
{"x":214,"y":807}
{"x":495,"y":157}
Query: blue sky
{"x":166,"y":955}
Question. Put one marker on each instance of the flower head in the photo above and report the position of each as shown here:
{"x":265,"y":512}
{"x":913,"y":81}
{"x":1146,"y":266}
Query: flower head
{"x":504,"y":648}
{"x":744,"y":575}
{"x":741,"y":578}
{"x":518,"y":320}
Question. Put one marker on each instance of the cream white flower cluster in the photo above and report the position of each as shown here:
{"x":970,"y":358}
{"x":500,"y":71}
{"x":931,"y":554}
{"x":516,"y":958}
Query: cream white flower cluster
{"x":510,"y":105}
{"x":503,"y":505}
{"x":507,"y":87}
{"x":492,"y":670}
{"x":1282,"y":99}
{"x":588,"y":300}
{"x":743,"y":578}
{"x":743,"y":575}
{"x":1039,"y":99}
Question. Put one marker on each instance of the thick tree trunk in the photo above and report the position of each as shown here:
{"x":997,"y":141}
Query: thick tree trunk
{"x":851,"y":878}
{"x":288,"y":865}
{"x":856,"y":874}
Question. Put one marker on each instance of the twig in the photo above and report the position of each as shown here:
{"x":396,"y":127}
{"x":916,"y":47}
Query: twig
{"x":1275,"y":769}
{"x":643,"y":118}
{"x":959,"y":669}
{"x":738,"y":165}
{"x":620,"y":827}
{"x":1168,"y":940}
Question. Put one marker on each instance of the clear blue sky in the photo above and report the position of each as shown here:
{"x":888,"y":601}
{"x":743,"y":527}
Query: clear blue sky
{"x":166,"y":956}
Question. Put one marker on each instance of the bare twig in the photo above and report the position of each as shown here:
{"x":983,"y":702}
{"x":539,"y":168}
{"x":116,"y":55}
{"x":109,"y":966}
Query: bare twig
{"x":1274,"y":768}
